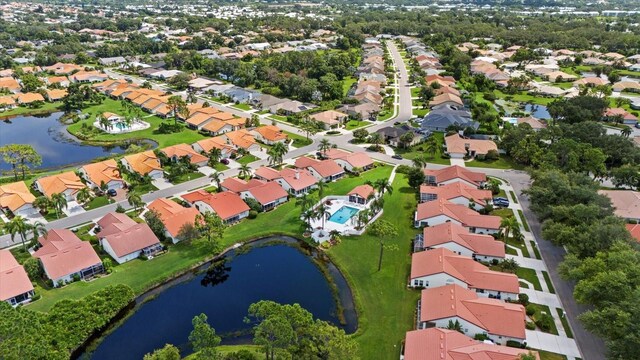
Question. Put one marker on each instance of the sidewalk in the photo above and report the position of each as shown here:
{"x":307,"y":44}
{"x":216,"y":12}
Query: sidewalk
{"x":552,"y":343}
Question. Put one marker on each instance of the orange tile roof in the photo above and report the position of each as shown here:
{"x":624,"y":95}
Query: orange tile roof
{"x":626,"y":203}
{"x":173,"y":215}
{"x":9,"y":83}
{"x":215,"y":126}
{"x":298,"y":179}
{"x":28,"y":98}
{"x":56,"y":79}
{"x":453,"y":233}
{"x":62,"y":253}
{"x":458,"y":189}
{"x":494,"y":316}
{"x":456,"y":172}
{"x":14,"y":280}
{"x":84,"y":75}
{"x":7,"y":100}
{"x":139,"y":100}
{"x":198,"y":118}
{"x":15,"y":195}
{"x":325,"y":168}
{"x":357,"y":159}
{"x":271,"y":133}
{"x":444,"y":98}
{"x":144,"y":162}
{"x":329,"y":117}
{"x":180,"y":150}
{"x":129,"y":236}
{"x":463,"y":268}
{"x":467,"y":217}
{"x":216,"y":142}
{"x":363,"y":191}
{"x":221,"y":115}
{"x":56,"y":94}
{"x":226,"y":204}
{"x":458,"y":145}
{"x":103,"y":171}
{"x":152,"y":103}
{"x":268,"y":192}
{"x":58,"y":183}
{"x":634,"y":230}
{"x":240,"y":138}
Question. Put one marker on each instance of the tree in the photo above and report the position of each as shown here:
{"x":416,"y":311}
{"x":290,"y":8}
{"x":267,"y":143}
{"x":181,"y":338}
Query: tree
{"x":203,"y":338}
{"x":214,"y":156}
{"x":244,"y":171}
{"x":376,"y":139}
{"x":455,"y":326}
{"x":59,"y":202}
{"x":322,"y":213}
{"x":308,"y":127}
{"x":18,"y":226}
{"x":188,"y":232}
{"x":152,"y":218}
{"x":277,"y":153}
{"x":180,"y":81}
{"x":508,"y":224}
{"x":419,"y":161}
{"x":415,"y":177}
{"x":38,"y":229}
{"x":134,"y":200}
{"x":30,"y":82}
{"x":168,"y":352}
{"x":626,"y":131}
{"x":324,"y":145}
{"x":383,"y":230}
{"x":305,"y":202}
{"x":42,"y":203}
{"x":307,"y":216}
{"x":407,"y":138}
{"x":273,"y":333}
{"x":360,"y":134}
{"x":321,"y":185}
{"x":212,"y":226}
{"x":382,"y":185}
{"x":177,"y":107}
{"x":83,"y":195}
{"x":217,"y":178}
{"x":33,"y":268}
{"x":21,"y":157}
{"x":432,"y":146}
{"x":527,"y":356}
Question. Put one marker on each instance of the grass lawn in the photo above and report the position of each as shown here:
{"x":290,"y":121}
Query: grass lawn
{"x":519,"y":245}
{"x":539,"y":310}
{"x":565,"y":323}
{"x":109,"y":105}
{"x":298,"y":140}
{"x":535,"y":249}
{"x":545,"y":355}
{"x":501,"y":193}
{"x":278,"y":117}
{"x":244,"y":107}
{"x":524,"y":220}
{"x":547,"y":279}
{"x":420,"y":112}
{"x":385,"y":305}
{"x":530,"y":276}
{"x":220,"y":167}
{"x":52,"y":216}
{"x":356,"y":124}
{"x":144,"y":189}
{"x":418,"y":150}
{"x":186,"y":177}
{"x":510,"y":251}
{"x":385,"y":115}
{"x":246,"y":159}
{"x":513,"y":196}
{"x":262,"y":112}
{"x":47,"y":107}
{"x":502,"y":212}
{"x":97,"y":202}
{"x":347,"y":82}
{"x":504,"y":162}
{"x":415,"y":91}
{"x":523,"y":97}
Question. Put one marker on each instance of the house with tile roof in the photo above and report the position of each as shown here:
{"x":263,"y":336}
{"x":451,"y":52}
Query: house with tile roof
{"x":323,"y":170}
{"x":104,"y":172}
{"x":441,"y":266}
{"x":240,"y":139}
{"x":613,"y":114}
{"x":457,"y":193}
{"x":459,"y":240}
{"x":64,"y":257}
{"x":88,"y":76}
{"x":124,"y":239}
{"x":499,"y":321}
{"x":269,"y":194}
{"x":439,"y":211}
{"x":330,"y":118}
{"x":67,"y":183}
{"x":446,"y":100}
{"x":16,"y":198}
{"x":634,"y":230}
{"x":626,"y":203}
{"x":173,"y":215}
{"x":205,"y":146}
{"x":458,"y":147}
{"x":28,"y":98}
{"x":350,"y":161}
{"x":443,"y":344}
{"x":361,"y":194}
{"x":176,"y":152}
{"x":7,"y":102}
{"x":532,"y":121}
{"x":444,"y":117}
{"x":144,"y":163}
{"x":227,"y":205}
{"x":15,"y":286}
{"x":269,"y":134}
{"x":55,"y":94}
{"x":296,"y":182}
{"x":453,"y":174}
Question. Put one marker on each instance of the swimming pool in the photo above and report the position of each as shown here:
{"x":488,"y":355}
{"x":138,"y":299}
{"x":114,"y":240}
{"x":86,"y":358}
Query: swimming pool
{"x":343,"y":214}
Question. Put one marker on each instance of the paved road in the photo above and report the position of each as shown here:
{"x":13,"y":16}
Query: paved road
{"x":591,"y":346}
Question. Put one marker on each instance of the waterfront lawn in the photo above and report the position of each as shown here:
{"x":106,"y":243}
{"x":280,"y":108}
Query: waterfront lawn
{"x":109,"y":105}
{"x":24,"y":110}
{"x":141,"y":275}
{"x":385,"y":305}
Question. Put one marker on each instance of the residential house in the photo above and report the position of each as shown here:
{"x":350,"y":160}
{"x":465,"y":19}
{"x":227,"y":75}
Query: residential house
{"x":15,"y":286}
{"x":67,"y":183}
{"x":7,"y":102}
{"x":458,"y":147}
{"x":64,"y":257}
{"x":446,"y":100}
{"x":498,"y":320}
{"x":590,"y":81}
{"x":457,"y":193}
{"x":179,"y":151}
{"x":454,"y":174}
{"x":10,"y":84}
{"x":626,"y":203}
{"x":269,"y":134}
{"x":173,"y":216}
{"x":361,"y":194}
{"x":365,"y":111}
{"x":444,"y":344}
{"x":264,"y":101}
{"x":63,"y":68}
{"x":459,"y":240}
{"x":290,"y":107}
{"x":392,"y":135}
{"x":534,"y":122}
{"x":206,"y":145}
{"x":104,"y":172}
{"x":323,"y":170}
{"x":439,"y":211}
{"x":330,"y":118}
{"x":125,"y":240}
{"x":88,"y":76}
{"x":239,"y":95}
{"x":443,"y":118}
{"x":631,"y":86}
{"x":16,"y":198}
{"x":144,"y":163}
{"x":296,"y":182}
{"x":634,"y":230}
{"x":112,"y":61}
{"x":240,"y":139}
{"x":28,"y":98}
{"x":227,"y":205}
{"x":267,"y":194}
{"x":616,"y":114}
{"x":350,"y":161}
{"x":55,"y":94}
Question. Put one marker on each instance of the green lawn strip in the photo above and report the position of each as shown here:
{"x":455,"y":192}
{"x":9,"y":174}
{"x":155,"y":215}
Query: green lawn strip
{"x":519,"y":245}
{"x":187,"y":177}
{"x":547,"y":279}
{"x":524,"y":220}
{"x":186,"y":136}
{"x":385,"y":306}
{"x":510,"y":251}
{"x":530,"y":276}
{"x":346,"y":84}
{"x":52,"y":216}
{"x":545,"y":355}
{"x":220,"y":167}
{"x":262,"y":112}
{"x":503,"y":162}
{"x":523,"y":284}
{"x":356,"y":124}
{"x":415,"y":92}
{"x":513,"y":196}
{"x":418,"y":150}
{"x":298,"y":140}
{"x":501,"y":193}
{"x":141,"y":275}
{"x":97,"y":202}
{"x":535,"y":249}
{"x":278,"y":117}
{"x":47,"y":107}
{"x":502,"y":212}
{"x":246,"y":159}
{"x":385,"y":115}
{"x":539,"y":310}
{"x":565,"y":323}
{"x":245,"y":107}
{"x":420,"y":112}
{"x":522,"y":97}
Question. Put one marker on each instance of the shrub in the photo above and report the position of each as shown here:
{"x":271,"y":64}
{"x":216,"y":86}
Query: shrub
{"x":75,"y":277}
{"x":36,"y":297}
{"x":33,"y":268}
{"x":481,"y":337}
{"x":334,"y":132}
{"x":253,"y":214}
{"x":108,"y":265}
{"x":492,"y":155}
{"x":530,"y":309}
{"x":515,"y":344}
{"x":120,"y":209}
{"x":523,"y":299}
{"x":495,"y":262}
{"x":545,"y":322}
{"x":254,"y":205}
{"x":530,"y":325}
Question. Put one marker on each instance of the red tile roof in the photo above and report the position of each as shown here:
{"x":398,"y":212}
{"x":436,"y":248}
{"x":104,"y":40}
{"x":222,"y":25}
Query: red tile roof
{"x":14,"y":280}
{"x":456,"y":172}
{"x":62,"y":253}
{"x":494,"y":316}
{"x":463,"y":268}
{"x":226,"y":204}
{"x":634,"y":229}
{"x":458,"y":189}
{"x":132,"y":239}
{"x":268,"y":192}
{"x":451,"y":232}
{"x":173,"y":215}
{"x":467,"y":217}
{"x":363,"y":191}
{"x":356,"y":159}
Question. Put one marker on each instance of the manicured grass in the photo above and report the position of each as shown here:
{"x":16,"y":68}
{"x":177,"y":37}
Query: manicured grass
{"x":523,"y":284}
{"x":565,"y":323}
{"x":547,"y":279}
{"x":245,"y":107}
{"x":385,"y":305}
{"x":503,"y":162}
{"x":52,"y":216}
{"x":510,"y":251}
{"x":298,"y":140}
{"x":109,"y":105}
{"x":23,"y":110}
{"x":144,"y":189}
{"x":524,"y":220}
{"x":420,"y":112}
{"x":415,"y":91}
{"x":187,"y":177}
{"x":220,"y":167}
{"x":501,"y":193}
{"x":545,"y":355}
{"x":262,"y":112}
{"x":539,"y":310}
{"x":530,"y":276}
{"x":97,"y":202}
{"x":519,"y":245}
{"x":418,"y":150}
{"x":513,"y":196}
{"x":535,"y":249}
{"x":347,"y":82}
{"x":246,"y":159}
{"x":523,"y":97}
{"x":385,"y":115}
{"x":278,"y":117}
{"x":502,"y":212}
{"x":355,"y":124}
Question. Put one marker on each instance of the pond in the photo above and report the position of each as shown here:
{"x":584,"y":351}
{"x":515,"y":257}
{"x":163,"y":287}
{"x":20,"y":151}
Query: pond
{"x":51,"y":140}
{"x":278,"y":272}
{"x":538,"y":111}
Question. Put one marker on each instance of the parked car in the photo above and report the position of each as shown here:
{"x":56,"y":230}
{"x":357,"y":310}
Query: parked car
{"x":112,"y":192}
{"x":397,"y":157}
{"x":224,"y":161}
{"x":500,"y":202}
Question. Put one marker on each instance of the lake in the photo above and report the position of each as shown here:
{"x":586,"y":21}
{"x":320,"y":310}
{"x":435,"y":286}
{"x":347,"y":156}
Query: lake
{"x":279,"y":272}
{"x":51,"y":140}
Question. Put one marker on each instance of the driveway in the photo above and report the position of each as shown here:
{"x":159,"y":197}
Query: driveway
{"x":459,"y":162}
{"x":206,"y":170}
{"x":553,"y":343}
{"x":73,"y":208}
{"x":161,"y":183}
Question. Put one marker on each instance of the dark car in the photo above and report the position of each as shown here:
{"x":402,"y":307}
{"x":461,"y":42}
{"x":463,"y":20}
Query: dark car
{"x":500,"y":202}
{"x":112,"y":192}
{"x":224,"y":161}
{"x":397,"y":157}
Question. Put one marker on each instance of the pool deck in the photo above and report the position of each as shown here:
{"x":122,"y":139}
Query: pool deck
{"x":337,"y":202}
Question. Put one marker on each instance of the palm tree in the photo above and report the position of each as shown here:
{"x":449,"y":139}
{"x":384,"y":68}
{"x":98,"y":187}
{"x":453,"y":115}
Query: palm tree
{"x":277,"y":153}
{"x":321,"y":186}
{"x":304,"y":202}
{"x":307,"y":216}
{"x":382,"y":185}
{"x":17,"y":225}
{"x":177,"y":107}
{"x":214,"y":156}
{"x":59,"y":202}
{"x":322,"y":212}
{"x":432,"y":146}
{"x":83,"y":195}
{"x":245,"y":171}
{"x":38,"y":229}
{"x":363,"y":218}
{"x":43,"y":203}
{"x":626,"y":131}
{"x":419,"y":161}
{"x":103,"y":121}
{"x":324,"y":145}
{"x":217,"y":178}
{"x":507,"y":225}
{"x":334,"y":235}
{"x":375,"y":139}
{"x":134,"y":200}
